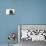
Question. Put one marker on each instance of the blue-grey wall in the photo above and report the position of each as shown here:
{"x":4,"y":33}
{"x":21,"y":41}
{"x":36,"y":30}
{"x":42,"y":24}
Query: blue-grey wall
{"x":27,"y":12}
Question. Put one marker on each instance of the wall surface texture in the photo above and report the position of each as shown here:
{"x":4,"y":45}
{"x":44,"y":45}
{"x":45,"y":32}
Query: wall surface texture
{"x":27,"y":12}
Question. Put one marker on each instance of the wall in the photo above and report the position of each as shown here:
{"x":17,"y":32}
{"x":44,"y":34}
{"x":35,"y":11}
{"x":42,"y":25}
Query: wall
{"x":27,"y":12}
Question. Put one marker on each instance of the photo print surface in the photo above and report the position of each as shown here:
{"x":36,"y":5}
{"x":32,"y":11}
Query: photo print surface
{"x":32,"y":32}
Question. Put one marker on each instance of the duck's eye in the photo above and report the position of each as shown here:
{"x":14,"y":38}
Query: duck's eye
{"x":10,"y":11}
